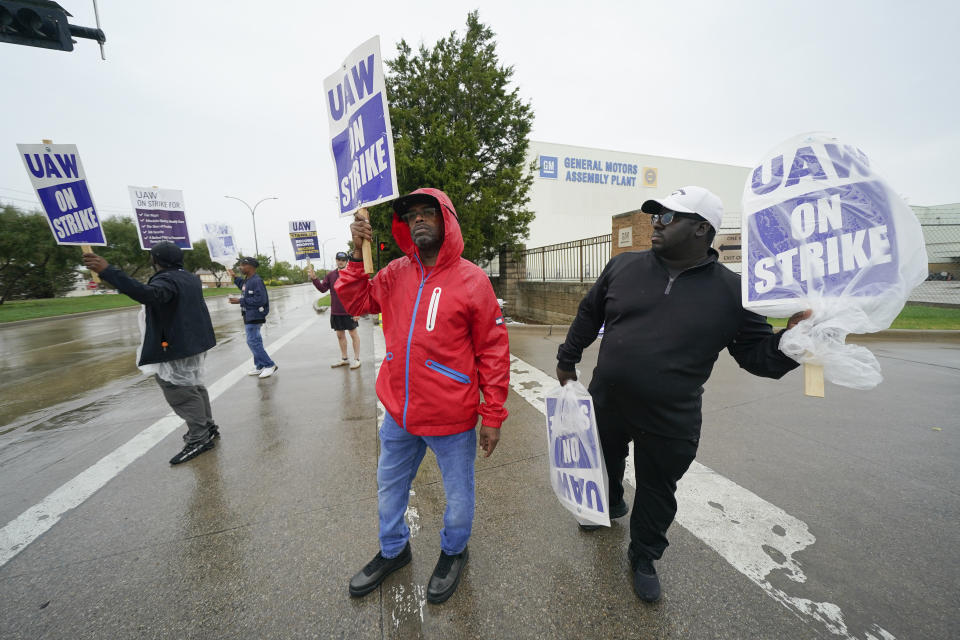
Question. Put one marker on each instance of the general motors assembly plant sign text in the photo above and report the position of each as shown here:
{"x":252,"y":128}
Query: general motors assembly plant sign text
{"x":61,"y":184}
{"x":360,"y":136}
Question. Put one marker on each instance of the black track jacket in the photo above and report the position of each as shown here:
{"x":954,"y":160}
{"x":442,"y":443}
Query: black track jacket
{"x":662,"y":338}
{"x":176,"y":313}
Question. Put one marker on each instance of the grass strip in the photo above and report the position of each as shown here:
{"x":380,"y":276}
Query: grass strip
{"x":15,"y":310}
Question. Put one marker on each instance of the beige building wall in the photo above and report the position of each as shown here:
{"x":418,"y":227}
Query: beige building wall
{"x":567,"y":209}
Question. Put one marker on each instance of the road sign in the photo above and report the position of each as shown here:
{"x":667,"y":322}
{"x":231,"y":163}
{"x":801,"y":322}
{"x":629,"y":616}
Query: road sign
{"x":61,"y":184}
{"x":728,"y":245}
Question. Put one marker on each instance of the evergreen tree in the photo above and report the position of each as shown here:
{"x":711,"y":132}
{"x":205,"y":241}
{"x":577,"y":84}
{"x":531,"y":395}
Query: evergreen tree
{"x":459,"y":127}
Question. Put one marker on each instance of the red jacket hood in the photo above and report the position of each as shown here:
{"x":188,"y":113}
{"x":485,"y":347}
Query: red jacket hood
{"x":452,"y":247}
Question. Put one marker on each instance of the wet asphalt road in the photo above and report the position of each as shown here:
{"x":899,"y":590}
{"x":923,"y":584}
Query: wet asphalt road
{"x":258,"y":538}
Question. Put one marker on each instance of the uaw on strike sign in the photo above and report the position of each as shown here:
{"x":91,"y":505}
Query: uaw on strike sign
{"x":822,"y":231}
{"x":360,"y":136}
{"x":303,"y":235}
{"x":160,"y":217}
{"x":57,"y":175}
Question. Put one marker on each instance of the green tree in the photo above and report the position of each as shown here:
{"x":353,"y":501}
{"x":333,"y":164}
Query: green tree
{"x":32,"y":265}
{"x":281,"y":269}
{"x":459,"y":126}
{"x":123,"y":248}
{"x":265,"y":270}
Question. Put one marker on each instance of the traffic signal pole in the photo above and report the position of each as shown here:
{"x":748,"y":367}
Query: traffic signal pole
{"x":44,"y":24}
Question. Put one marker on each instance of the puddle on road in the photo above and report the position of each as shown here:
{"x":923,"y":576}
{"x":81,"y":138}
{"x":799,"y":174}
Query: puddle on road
{"x":25,"y":400}
{"x":78,"y":416}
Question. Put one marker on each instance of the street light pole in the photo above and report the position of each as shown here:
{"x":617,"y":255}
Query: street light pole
{"x":253,"y":214}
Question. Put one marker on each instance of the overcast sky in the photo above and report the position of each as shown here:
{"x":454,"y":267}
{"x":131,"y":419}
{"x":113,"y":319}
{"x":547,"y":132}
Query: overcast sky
{"x":221,"y":97}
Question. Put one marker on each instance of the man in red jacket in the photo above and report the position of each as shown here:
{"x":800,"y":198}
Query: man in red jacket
{"x":446,"y":342}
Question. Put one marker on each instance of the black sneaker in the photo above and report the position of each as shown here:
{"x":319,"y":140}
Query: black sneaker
{"x":214,"y":431}
{"x":446,"y":576}
{"x":191,"y":451}
{"x":376,"y":571}
{"x":619,"y":510}
{"x":646,"y":583}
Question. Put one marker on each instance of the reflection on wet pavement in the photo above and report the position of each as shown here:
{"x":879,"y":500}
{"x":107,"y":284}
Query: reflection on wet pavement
{"x":48,"y":366}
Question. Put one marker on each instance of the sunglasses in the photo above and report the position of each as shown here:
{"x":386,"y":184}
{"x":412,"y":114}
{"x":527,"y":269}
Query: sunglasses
{"x":667,"y":218}
{"x":428,"y":213}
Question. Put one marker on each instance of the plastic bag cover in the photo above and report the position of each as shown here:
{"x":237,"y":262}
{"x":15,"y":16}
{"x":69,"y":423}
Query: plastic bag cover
{"x":822,"y":231}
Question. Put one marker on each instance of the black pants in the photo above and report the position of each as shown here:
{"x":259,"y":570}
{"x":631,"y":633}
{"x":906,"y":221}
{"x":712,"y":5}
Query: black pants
{"x":659,"y":463}
{"x":192,"y":403}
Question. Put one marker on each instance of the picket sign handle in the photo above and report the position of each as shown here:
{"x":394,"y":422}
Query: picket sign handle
{"x":93,"y":274}
{"x":366,"y":246}
{"x":813,"y":380}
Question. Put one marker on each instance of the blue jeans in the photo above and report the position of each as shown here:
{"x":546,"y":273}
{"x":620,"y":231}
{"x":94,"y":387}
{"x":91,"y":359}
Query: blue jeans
{"x":400,"y":457}
{"x":260,"y":358}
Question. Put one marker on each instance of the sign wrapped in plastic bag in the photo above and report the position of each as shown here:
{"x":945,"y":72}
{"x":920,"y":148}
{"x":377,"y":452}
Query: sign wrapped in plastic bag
{"x":822,"y":231}
{"x":577,"y":472}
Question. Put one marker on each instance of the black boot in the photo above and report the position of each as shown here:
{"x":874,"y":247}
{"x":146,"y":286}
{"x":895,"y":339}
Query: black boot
{"x":446,"y":576}
{"x":376,"y":571}
{"x":646,"y":583}
{"x":619,"y":510}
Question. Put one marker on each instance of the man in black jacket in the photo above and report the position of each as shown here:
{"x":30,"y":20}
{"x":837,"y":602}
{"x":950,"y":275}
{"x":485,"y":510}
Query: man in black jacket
{"x":177,"y":333}
{"x":668,"y":313}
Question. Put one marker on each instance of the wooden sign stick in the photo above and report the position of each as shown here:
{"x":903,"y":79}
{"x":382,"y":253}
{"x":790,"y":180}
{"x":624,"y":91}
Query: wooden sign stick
{"x":813,"y":380}
{"x":366,"y":248}
{"x":93,"y":274}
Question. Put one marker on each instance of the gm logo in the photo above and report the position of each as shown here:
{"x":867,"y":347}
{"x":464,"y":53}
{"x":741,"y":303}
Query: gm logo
{"x":548,"y":167}
{"x":649,"y":176}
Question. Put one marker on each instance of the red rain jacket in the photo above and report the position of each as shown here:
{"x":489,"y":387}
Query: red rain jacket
{"x":446,"y":341}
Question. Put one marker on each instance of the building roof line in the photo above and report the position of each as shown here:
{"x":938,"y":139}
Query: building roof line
{"x":652,"y":155}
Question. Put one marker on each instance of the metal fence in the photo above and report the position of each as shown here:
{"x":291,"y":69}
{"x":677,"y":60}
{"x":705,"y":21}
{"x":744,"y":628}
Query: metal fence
{"x":490,"y":267}
{"x":577,"y":261}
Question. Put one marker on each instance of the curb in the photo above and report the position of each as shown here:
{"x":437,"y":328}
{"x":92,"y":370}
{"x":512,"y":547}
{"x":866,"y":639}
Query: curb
{"x":888,"y":335}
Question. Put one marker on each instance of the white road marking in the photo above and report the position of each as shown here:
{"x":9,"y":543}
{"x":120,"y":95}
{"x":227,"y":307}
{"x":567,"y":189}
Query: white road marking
{"x":757,"y":538}
{"x":38,"y":519}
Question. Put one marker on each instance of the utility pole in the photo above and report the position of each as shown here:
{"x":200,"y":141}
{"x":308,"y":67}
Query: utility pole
{"x":274,"y":245}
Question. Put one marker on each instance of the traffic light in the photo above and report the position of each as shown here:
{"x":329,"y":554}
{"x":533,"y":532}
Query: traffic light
{"x":382,"y":246}
{"x":41,"y":23}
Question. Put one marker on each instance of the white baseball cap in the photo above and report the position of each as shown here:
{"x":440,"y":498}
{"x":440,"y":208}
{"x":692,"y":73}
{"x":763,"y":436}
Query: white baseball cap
{"x":690,"y":200}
